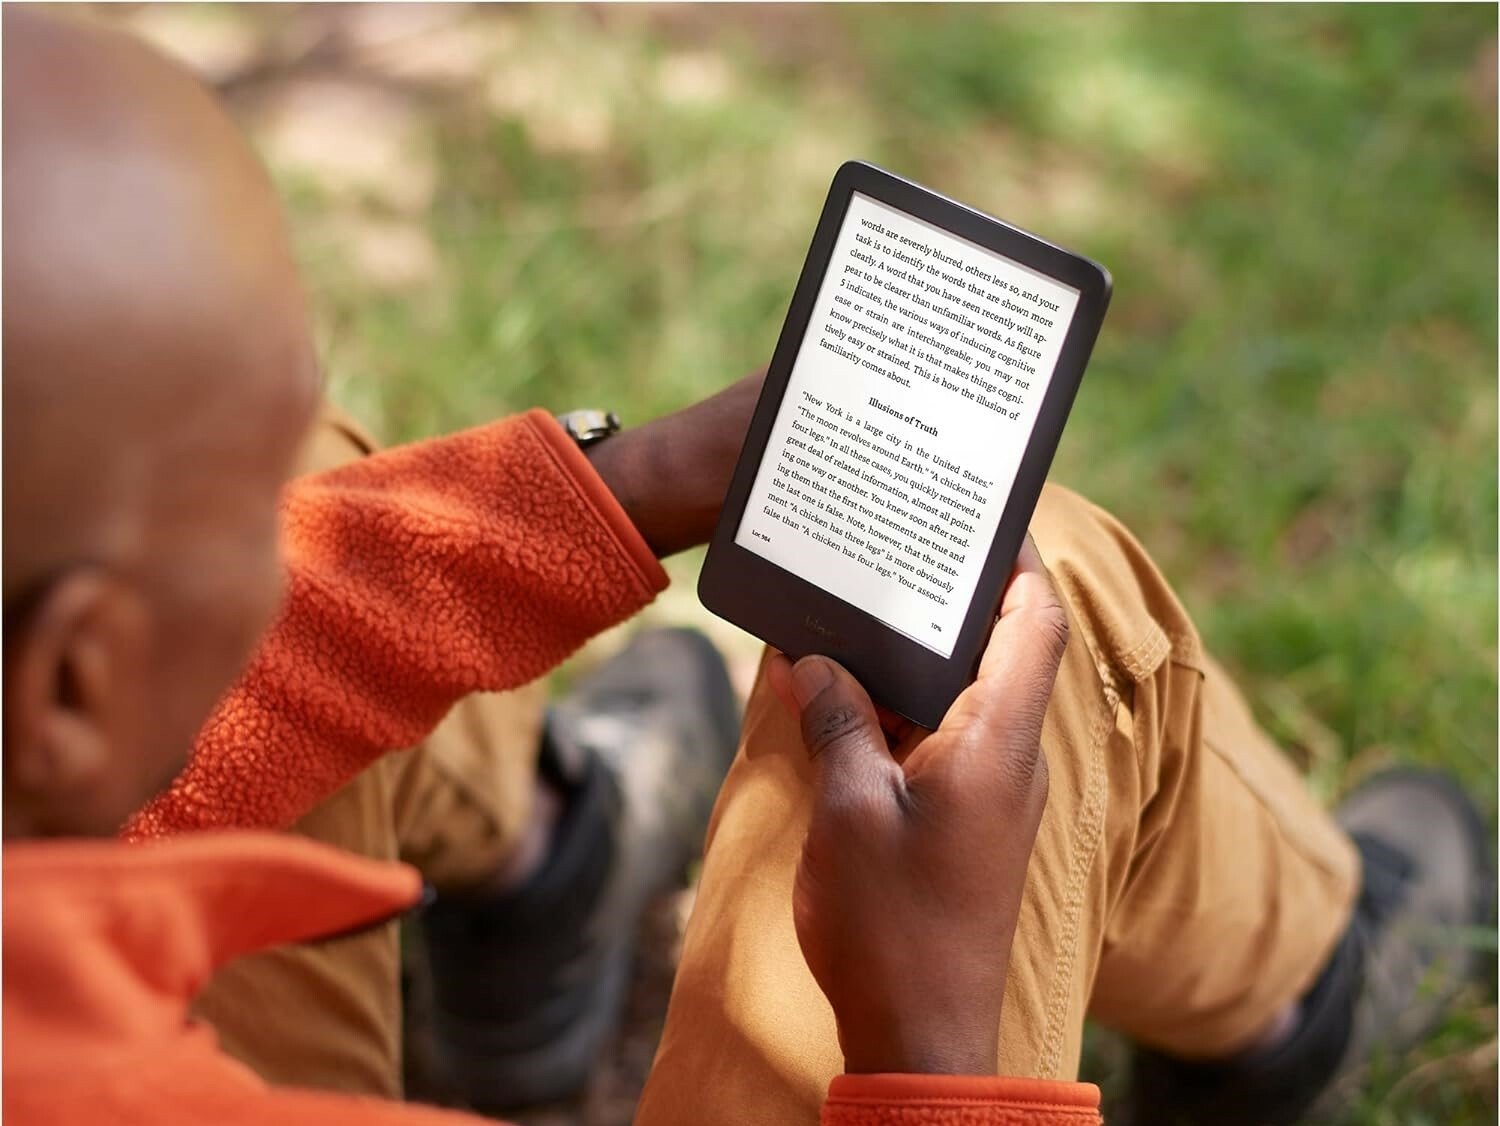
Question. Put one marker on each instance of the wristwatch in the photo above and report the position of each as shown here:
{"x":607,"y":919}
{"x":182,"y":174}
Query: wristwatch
{"x":587,"y":427}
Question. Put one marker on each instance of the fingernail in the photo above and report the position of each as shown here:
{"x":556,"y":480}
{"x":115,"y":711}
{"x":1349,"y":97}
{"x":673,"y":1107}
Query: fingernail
{"x":809,"y":677}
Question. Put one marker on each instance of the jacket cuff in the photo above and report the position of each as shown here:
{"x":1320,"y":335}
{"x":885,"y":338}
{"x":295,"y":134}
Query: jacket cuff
{"x":934,"y":1100}
{"x":595,"y":493}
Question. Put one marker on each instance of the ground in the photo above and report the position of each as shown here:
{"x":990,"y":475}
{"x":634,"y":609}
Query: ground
{"x":1293,"y":402}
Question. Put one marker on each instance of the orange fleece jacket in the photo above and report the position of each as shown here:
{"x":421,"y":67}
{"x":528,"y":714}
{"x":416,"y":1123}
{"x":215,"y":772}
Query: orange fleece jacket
{"x":473,"y":562}
{"x":105,"y":946}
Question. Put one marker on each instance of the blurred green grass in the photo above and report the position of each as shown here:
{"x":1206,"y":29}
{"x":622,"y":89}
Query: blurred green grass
{"x":1293,"y":402}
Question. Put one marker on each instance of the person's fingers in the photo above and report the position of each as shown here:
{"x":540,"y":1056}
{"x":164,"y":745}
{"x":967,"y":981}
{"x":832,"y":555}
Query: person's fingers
{"x":842,"y":734}
{"x":997,"y":721}
{"x":1026,"y":646}
{"x":779,"y":678}
{"x":1032,"y":618}
{"x":898,"y":730}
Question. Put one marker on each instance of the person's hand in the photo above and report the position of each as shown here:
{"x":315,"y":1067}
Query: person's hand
{"x":671,"y":474}
{"x":910,"y":882}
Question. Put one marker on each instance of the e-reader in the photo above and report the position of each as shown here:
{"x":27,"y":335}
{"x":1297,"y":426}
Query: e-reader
{"x":909,"y":415}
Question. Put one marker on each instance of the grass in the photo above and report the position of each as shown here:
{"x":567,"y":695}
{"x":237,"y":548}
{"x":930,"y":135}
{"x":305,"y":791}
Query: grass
{"x":1293,"y":402}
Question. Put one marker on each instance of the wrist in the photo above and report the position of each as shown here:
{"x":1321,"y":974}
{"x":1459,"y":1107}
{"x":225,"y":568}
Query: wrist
{"x":952,"y":1050}
{"x":671,"y":474}
{"x":657,"y":474}
{"x":928,"y":1059}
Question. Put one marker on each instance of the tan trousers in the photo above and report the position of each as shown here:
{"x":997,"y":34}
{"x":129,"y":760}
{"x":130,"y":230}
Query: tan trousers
{"x":1184,"y":887}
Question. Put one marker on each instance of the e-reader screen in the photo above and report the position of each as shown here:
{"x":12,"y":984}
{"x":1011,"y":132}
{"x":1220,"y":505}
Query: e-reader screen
{"x":908,"y":409}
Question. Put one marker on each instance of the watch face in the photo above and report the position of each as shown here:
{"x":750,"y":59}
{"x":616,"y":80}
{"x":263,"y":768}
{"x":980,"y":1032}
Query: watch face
{"x":590,"y":426}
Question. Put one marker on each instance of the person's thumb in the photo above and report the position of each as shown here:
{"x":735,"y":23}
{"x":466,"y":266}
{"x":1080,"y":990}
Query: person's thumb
{"x":841,"y":731}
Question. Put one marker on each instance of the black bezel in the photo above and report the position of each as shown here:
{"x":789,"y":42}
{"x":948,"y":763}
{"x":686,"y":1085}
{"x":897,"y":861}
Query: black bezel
{"x":799,"y":618}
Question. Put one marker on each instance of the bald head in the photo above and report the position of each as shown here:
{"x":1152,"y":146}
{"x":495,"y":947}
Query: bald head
{"x":158,"y":376}
{"x":146,"y":272}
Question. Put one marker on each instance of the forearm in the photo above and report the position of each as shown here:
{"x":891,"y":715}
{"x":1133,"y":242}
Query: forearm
{"x":474,"y":562}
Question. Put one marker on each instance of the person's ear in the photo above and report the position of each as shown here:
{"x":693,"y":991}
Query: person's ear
{"x":72,"y":705}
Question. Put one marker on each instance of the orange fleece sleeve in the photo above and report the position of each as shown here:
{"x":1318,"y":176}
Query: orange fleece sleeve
{"x":474,"y":562}
{"x":958,"y":1100}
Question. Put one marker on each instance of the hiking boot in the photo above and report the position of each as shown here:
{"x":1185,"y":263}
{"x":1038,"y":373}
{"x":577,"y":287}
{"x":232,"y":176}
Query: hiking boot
{"x":529,"y":985}
{"x":1408,"y":951}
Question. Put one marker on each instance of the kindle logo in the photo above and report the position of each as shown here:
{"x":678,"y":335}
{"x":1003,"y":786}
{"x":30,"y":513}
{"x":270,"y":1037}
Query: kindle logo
{"x":817,"y":627}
